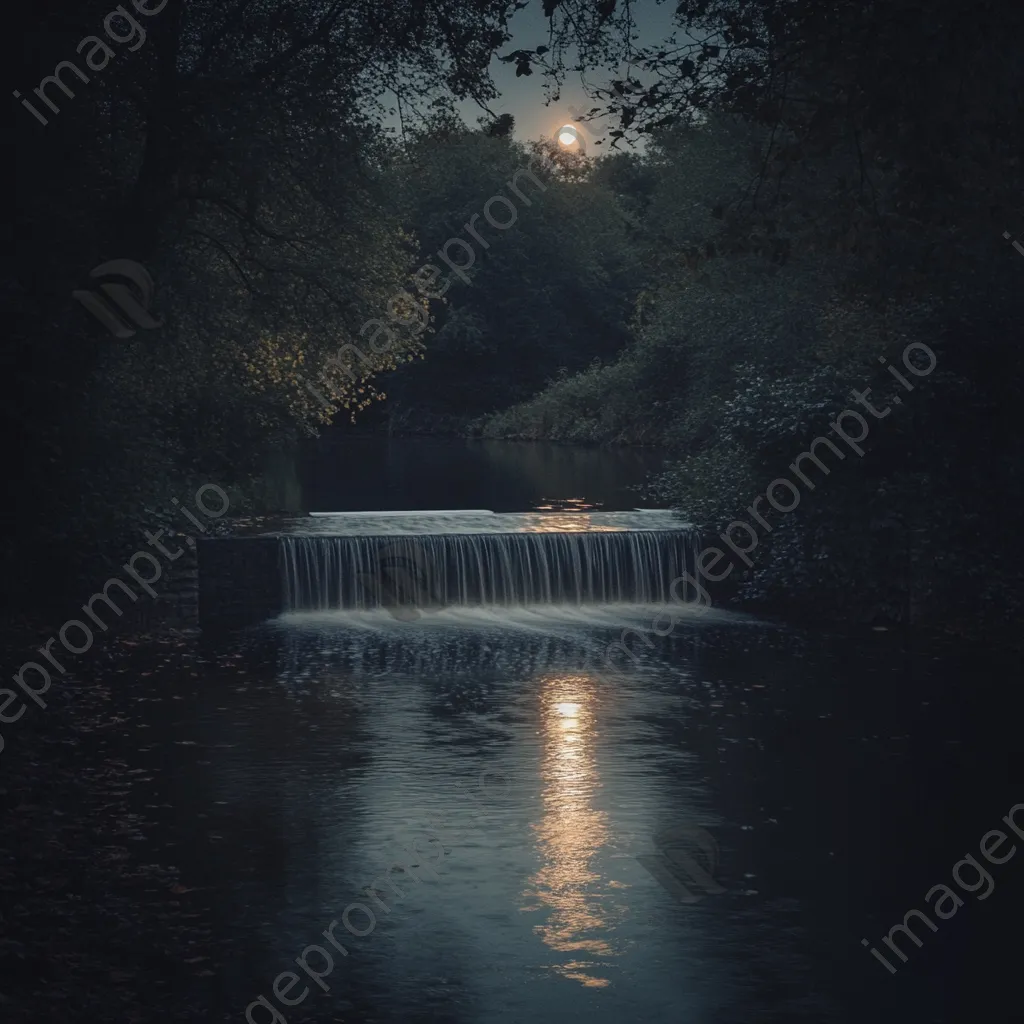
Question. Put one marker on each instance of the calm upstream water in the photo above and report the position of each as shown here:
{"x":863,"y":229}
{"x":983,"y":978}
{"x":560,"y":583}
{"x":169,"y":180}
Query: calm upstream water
{"x":343,"y":473}
{"x":703,"y":836}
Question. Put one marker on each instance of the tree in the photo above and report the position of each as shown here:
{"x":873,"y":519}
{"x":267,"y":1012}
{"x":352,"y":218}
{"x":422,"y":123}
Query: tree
{"x":233,"y":152}
{"x":551,"y":290}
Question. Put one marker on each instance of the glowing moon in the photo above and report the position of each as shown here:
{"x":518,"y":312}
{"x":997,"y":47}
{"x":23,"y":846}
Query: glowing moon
{"x":567,"y":135}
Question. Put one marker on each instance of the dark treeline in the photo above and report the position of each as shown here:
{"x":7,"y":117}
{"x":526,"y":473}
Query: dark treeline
{"x":820,"y":186}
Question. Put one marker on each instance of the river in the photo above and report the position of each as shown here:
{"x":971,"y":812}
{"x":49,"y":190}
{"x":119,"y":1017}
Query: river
{"x":705,"y":835}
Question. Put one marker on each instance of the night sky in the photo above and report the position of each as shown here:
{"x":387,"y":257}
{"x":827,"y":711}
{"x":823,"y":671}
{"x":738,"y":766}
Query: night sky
{"x":524,"y":97}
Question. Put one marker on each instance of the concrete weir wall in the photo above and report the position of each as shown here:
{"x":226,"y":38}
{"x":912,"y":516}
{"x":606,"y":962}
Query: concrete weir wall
{"x":328,"y":561}
{"x":245,"y":580}
{"x":239,"y":581}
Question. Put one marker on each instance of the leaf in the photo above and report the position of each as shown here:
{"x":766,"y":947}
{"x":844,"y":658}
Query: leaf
{"x":541,"y":50}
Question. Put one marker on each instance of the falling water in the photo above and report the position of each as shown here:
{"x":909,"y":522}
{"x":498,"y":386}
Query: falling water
{"x":503,"y":569}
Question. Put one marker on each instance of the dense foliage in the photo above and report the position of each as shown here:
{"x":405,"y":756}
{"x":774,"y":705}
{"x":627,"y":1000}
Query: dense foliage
{"x":234,"y":152}
{"x":544,"y":295}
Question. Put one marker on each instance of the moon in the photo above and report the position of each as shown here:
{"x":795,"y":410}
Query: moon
{"x":567,"y":135}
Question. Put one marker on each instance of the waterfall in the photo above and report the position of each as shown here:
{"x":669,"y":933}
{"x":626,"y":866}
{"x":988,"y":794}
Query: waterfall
{"x":486,"y":569}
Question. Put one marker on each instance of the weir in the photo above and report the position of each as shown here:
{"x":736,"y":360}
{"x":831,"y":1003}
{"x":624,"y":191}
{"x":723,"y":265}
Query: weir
{"x":437,"y":560}
{"x":321,"y":573}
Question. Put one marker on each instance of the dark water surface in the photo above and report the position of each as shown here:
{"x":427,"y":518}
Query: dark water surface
{"x":840,"y":779}
{"x":704,"y":835}
{"x":342,"y":473}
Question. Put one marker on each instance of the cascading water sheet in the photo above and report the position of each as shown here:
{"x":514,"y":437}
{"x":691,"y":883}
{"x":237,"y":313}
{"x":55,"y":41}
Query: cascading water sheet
{"x":558,"y":567}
